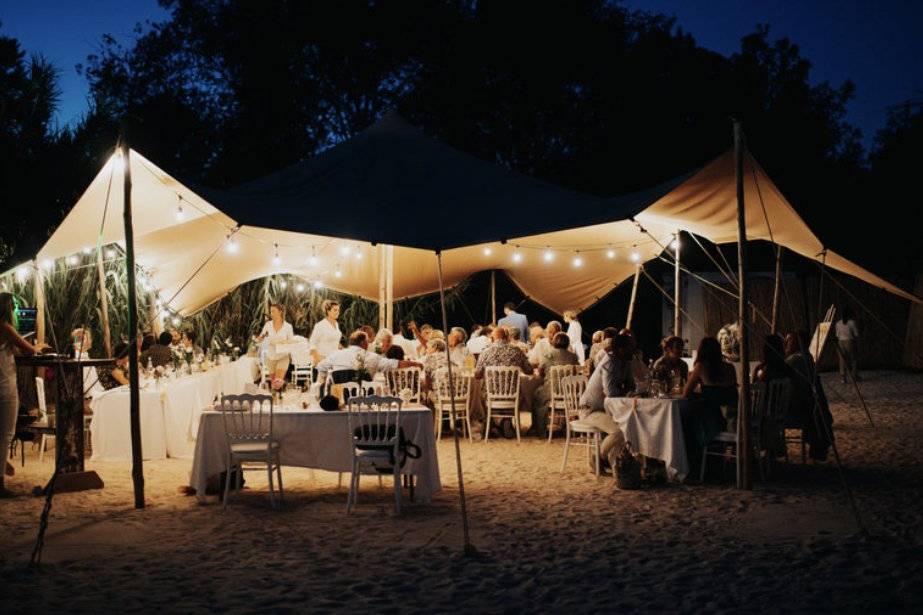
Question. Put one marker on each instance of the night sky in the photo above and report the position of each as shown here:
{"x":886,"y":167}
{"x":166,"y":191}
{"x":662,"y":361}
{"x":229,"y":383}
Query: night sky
{"x":876,"y":44}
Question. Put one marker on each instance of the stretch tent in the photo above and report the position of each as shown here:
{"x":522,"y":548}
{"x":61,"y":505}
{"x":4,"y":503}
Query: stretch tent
{"x":320,"y":220}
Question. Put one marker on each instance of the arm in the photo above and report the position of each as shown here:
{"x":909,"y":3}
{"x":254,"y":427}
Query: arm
{"x":12,"y":336}
{"x":119,"y":375}
{"x":693,"y":381}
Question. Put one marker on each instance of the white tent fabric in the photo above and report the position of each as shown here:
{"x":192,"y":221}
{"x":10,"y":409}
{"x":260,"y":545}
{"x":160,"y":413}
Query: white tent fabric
{"x":196,"y":260}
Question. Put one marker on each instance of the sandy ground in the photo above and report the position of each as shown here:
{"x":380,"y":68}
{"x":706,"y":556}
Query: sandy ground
{"x":547,"y":542}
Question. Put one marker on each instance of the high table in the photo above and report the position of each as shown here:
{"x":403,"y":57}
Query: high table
{"x":317,"y":439}
{"x":170,"y":412}
{"x":654,"y":428}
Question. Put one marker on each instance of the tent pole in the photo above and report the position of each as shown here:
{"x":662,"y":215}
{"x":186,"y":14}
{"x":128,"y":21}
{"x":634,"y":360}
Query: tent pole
{"x":389,"y":288}
{"x":777,"y":287}
{"x":468,"y":547}
{"x":634,"y":296}
{"x":743,"y":426}
{"x":493,"y":297}
{"x":154,"y":314}
{"x":381,"y":259}
{"x":137,"y":467}
{"x":39,"y":304}
{"x":103,"y":302}
{"x":677,"y":290}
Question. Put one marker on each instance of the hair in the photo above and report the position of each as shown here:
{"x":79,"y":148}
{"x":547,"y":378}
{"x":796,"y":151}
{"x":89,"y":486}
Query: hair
{"x":515,"y":334}
{"x":610,"y":333}
{"x":509,"y":305}
{"x":502,"y":332}
{"x":426,"y":328}
{"x":121,"y":350}
{"x":87,"y":336}
{"x":486,"y":330}
{"x":395,"y":352}
{"x":165,"y":338}
{"x":475,"y":329}
{"x":560,"y":340}
{"x":572,"y":314}
{"x":626,"y":331}
{"x":672,"y":341}
{"x":369,"y":332}
{"x":7,"y":307}
{"x":555,"y":323}
{"x":382,"y":334}
{"x":773,"y":355}
{"x":461,"y":331}
{"x":620,"y":342}
{"x":709,"y":355}
{"x":328,"y":305}
{"x":436,"y":343}
{"x":436,"y":334}
{"x":357,"y":337}
{"x":147,"y":341}
{"x":279,"y":307}
{"x":845,"y":315}
{"x":597,"y":337}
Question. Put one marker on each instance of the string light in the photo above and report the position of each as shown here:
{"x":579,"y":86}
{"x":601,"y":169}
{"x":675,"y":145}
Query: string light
{"x":180,"y":214}
{"x":72,"y":259}
{"x":358,"y":254}
{"x":635,"y":257}
{"x":338,"y":273}
{"x":578,"y":261}
{"x":87,"y":250}
{"x":548,"y":256}
{"x":345,"y":250}
{"x":610,"y":253}
{"x":283,"y":284}
{"x":488,"y":251}
{"x":313,"y":260}
{"x":176,"y":321}
{"x":318,"y":284}
{"x":22,"y":274}
{"x":674,"y":245}
{"x":47,"y":264}
{"x":110,"y":253}
{"x":275,"y":259}
{"x":299,"y":288}
{"x":517,"y":256}
{"x":232,"y":246}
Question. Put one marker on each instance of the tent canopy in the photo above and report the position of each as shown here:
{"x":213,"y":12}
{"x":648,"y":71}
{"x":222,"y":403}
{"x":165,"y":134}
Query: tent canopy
{"x":394,"y":185}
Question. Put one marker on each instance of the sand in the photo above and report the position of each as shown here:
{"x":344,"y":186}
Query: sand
{"x":547,"y":542}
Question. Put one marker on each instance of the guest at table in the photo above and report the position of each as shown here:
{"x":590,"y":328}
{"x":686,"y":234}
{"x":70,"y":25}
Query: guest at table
{"x":560,"y":355}
{"x":458,"y":351}
{"x":421,"y":334}
{"x":808,"y":407}
{"x":357,"y":354}
{"x":514,"y":319}
{"x":159,"y":354}
{"x":543,"y":346}
{"x":772,"y":365}
{"x":395,"y":352}
{"x":671,"y":364}
{"x":479,"y":342}
{"x":176,"y":337}
{"x":147,"y":340}
{"x":516,"y":340}
{"x":11,"y":343}
{"x":275,"y":332}
{"x":435,"y":359}
{"x":399,"y":339}
{"x":188,"y":345}
{"x":609,"y":334}
{"x":117,"y":375}
{"x":325,"y":337}
{"x":713,"y":381}
{"x":501,"y":354}
{"x":384,"y":339}
{"x":369,"y":332}
{"x":611,"y":378}
{"x":639,"y":369}
{"x":575,"y":333}
{"x":536,"y":332}
{"x":847,"y":338}
{"x":595,"y":346}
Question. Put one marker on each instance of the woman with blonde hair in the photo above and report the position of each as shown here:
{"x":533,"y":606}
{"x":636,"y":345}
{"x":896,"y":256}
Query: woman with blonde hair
{"x":575,"y":333}
{"x":326,"y":335}
{"x":276,"y":331}
{"x":11,"y":343}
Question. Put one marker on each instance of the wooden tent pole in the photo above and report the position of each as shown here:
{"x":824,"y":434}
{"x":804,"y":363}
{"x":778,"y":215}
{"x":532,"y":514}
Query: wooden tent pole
{"x":39,"y":304}
{"x":389,"y":288}
{"x":493,"y":297}
{"x":677,"y":292}
{"x":154,"y":314}
{"x":103,"y":302}
{"x":744,"y":480}
{"x":381,"y":259}
{"x":634,"y":296}
{"x":137,"y":463}
{"x":776,"y":290}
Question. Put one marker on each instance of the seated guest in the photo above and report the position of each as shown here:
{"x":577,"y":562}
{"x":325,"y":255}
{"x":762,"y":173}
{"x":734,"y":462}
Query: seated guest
{"x":117,"y":375}
{"x":147,"y":341}
{"x":358,"y":353}
{"x":421,"y":334}
{"x":435,"y":358}
{"x":478,"y":343}
{"x":536,"y":332}
{"x":671,"y":362}
{"x":457,"y":348}
{"x":773,"y":365}
{"x":516,"y":340}
{"x":188,"y":345}
{"x":560,"y":355}
{"x":176,"y":338}
{"x":398,"y":339}
{"x":638,"y":367}
{"x":158,"y":354}
{"x":608,"y":334}
{"x":384,"y":339}
{"x":808,"y":407}
{"x":596,"y":344}
{"x":436,"y":334}
{"x":543,"y":346}
{"x":499,"y":354}
{"x":611,"y":378}
{"x":714,"y":381}
{"x":395,"y":352}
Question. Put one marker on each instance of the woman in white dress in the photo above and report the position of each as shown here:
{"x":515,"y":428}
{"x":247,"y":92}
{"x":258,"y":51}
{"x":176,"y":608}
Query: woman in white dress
{"x":325,"y":337}
{"x":575,"y":333}
{"x":10,"y":342}
{"x":277,"y":331}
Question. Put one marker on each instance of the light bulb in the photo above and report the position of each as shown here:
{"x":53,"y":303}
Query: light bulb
{"x":300,"y":288}
{"x":164,"y":314}
{"x":180,"y":214}
{"x":635,"y":257}
{"x":488,"y":251}
{"x":318,"y":284}
{"x":359,"y":255}
{"x":578,"y":262}
{"x":47,"y":263}
{"x":87,"y":250}
{"x":276,"y":261}
{"x":176,"y":321}
{"x":313,"y":261}
{"x":338,"y":273}
{"x":110,"y":253}
{"x":517,"y":257}
{"x":283,"y":284}
{"x":22,"y":274}
{"x":72,"y":259}
{"x":674,"y":245}
{"x":232,"y":246}
{"x":345,"y":250}
{"x":610,"y":253}
{"x":548,"y":256}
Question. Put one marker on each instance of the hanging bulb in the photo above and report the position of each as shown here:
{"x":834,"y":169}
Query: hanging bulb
{"x":299,"y":288}
{"x":635,"y":257}
{"x":176,"y":321}
{"x":517,"y":256}
{"x":318,"y":284}
{"x":87,"y":250}
{"x":110,"y":253}
{"x":72,"y":260}
{"x":359,"y":254}
{"x":47,"y":264}
{"x":283,"y":284}
{"x":674,"y":245}
{"x":345,"y":250}
{"x":22,"y":274}
{"x":488,"y":251}
{"x":338,"y":273}
{"x":276,"y":261}
{"x":548,"y":256}
{"x":610,"y":253}
{"x":180,"y":214}
{"x":578,"y":261}
{"x":232,"y":246}
{"x":313,"y":262}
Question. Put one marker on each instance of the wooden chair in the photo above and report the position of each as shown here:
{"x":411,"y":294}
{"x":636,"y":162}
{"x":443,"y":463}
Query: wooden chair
{"x":248,"y":427}
{"x":445,"y":395}
{"x":374,"y":439}
{"x":556,"y":398}
{"x":572,"y":388}
{"x":302,"y":368}
{"x":502,"y":396}
{"x":406,"y":378}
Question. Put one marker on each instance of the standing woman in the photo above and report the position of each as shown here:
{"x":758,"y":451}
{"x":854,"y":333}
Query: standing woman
{"x":575,"y":333}
{"x":276,"y":331}
{"x":847,"y":337}
{"x":326,"y":335}
{"x":10,"y":343}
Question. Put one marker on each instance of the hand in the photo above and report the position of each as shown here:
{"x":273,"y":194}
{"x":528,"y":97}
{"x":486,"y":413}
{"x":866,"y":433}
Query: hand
{"x":40,"y":348}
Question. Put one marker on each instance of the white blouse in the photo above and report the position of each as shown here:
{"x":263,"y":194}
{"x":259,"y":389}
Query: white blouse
{"x":325,"y":338}
{"x":575,"y":333}
{"x":273,"y":337}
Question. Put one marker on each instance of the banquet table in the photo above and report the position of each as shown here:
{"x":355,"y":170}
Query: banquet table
{"x":170,"y":412}
{"x":654,"y":428}
{"x":317,"y":439}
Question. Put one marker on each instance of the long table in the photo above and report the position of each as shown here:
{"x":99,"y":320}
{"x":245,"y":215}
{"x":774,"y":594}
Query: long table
{"x":317,"y":439}
{"x":654,"y":428}
{"x":170,"y":412}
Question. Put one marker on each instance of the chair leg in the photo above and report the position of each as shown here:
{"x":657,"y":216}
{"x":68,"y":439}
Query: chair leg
{"x":468,"y":426}
{"x":397,"y":489}
{"x":550,"y":423}
{"x":41,"y":448}
{"x":340,"y":480}
{"x":487,"y":425}
{"x":272,"y":494}
{"x":566,"y":447}
{"x":279,"y":476}
{"x":596,"y":449}
{"x":704,"y":457}
{"x":516,"y":423}
{"x":439,"y":420}
{"x":227,"y":486}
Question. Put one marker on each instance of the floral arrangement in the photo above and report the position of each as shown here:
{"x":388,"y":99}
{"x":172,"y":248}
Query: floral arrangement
{"x":361,"y":372}
{"x":729,"y":338}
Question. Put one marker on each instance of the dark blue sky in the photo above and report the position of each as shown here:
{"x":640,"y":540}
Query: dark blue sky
{"x":878,"y":44}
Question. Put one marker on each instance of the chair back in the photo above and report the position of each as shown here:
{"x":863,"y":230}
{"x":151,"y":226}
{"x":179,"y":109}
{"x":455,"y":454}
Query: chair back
{"x":373,"y":420}
{"x":555,"y":374}
{"x":40,"y":392}
{"x":405,"y":378}
{"x":572,"y":388}
{"x":502,"y":386}
{"x":302,"y":367}
{"x":247,"y":418}
{"x":458,"y":389}
{"x":265,"y":376}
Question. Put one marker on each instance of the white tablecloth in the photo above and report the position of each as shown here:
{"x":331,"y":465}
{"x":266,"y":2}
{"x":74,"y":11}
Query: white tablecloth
{"x":169,"y":412}
{"x":316,"y":439}
{"x":654,"y":429}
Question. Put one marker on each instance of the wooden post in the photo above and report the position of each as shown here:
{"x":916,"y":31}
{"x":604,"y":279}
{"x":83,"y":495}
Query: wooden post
{"x":743,"y":427}
{"x":103,"y":302}
{"x":154,"y":314}
{"x":382,"y":260}
{"x":389,"y":288}
{"x":137,"y":463}
{"x":493,"y":297}
{"x":39,"y":304}
{"x":677,"y":293}
{"x":634,"y":296}
{"x":776,"y":291}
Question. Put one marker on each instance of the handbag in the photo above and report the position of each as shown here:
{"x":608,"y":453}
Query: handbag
{"x":405,"y":447}
{"x":627,"y":470}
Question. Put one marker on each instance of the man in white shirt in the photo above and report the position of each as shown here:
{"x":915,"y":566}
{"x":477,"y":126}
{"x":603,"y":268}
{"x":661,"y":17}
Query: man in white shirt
{"x":847,"y":337}
{"x":398,"y":339}
{"x":326,"y":335}
{"x":350,"y":357}
{"x":479,"y":343}
{"x":542,"y":347}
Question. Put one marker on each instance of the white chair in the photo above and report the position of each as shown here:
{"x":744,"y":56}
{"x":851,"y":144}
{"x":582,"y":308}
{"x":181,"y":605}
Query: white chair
{"x":445,"y":396}
{"x":374,"y":438}
{"x":248,"y":427}
{"x":502,"y":396}
{"x":405,"y":378}
{"x":556,"y":398}
{"x":265,"y":376}
{"x":572,"y":388}
{"x":43,"y":408}
{"x":302,"y":368}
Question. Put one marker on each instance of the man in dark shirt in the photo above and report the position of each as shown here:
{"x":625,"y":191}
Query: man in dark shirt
{"x":159,"y":353}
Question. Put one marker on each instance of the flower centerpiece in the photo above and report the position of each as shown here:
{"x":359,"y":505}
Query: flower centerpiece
{"x":729,"y":338}
{"x":362,"y":373}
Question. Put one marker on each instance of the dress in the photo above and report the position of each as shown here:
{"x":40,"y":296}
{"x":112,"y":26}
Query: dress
{"x":575,"y":333}
{"x":9,"y":397}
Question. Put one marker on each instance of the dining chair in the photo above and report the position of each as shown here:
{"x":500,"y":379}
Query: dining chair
{"x":374,"y":424}
{"x":248,"y":426}
{"x":502,"y":396}
{"x":572,"y":388}
{"x":556,"y":397}
{"x":405,"y":378}
{"x":302,"y":368}
{"x":445,"y":395}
